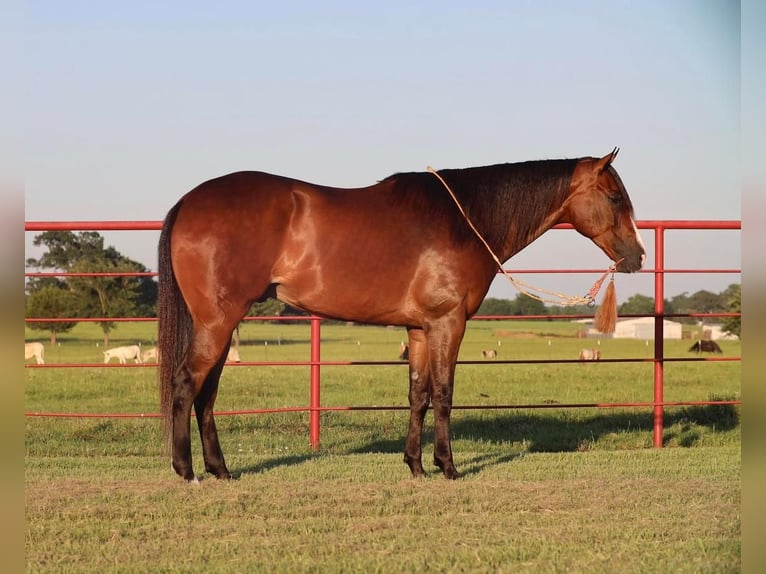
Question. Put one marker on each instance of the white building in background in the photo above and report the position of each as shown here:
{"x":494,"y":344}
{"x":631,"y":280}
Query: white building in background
{"x":643,"y":328}
{"x":640,"y":328}
{"x":716,"y":333}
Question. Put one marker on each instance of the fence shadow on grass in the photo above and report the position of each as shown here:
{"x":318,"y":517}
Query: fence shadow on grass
{"x":545,"y":433}
{"x":565,"y":432}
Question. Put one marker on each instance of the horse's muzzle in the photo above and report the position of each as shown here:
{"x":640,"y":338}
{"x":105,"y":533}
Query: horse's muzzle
{"x":631,"y":263}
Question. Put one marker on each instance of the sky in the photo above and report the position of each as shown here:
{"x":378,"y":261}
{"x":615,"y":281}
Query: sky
{"x":127,"y":106}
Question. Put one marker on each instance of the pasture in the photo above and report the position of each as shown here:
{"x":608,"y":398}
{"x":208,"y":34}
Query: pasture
{"x":546,"y":490}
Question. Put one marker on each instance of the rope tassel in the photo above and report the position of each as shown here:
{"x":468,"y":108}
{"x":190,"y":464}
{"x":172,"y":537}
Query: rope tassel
{"x":605,"y":319}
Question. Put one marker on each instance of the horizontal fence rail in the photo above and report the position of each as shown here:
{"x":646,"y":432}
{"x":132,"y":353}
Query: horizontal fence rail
{"x":315,"y":363}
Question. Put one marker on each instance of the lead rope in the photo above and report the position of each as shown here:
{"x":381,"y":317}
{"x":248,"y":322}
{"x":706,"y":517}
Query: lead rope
{"x":560,"y":298}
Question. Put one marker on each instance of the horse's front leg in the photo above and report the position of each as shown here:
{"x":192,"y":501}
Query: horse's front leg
{"x":443,"y":344}
{"x":419,"y":397}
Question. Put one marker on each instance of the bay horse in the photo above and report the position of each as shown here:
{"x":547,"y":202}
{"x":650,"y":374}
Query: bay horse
{"x":398,"y":252}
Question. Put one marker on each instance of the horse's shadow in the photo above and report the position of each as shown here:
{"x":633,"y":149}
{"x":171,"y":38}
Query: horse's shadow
{"x":476,"y":463}
{"x":471,"y":465}
{"x":271,"y":463}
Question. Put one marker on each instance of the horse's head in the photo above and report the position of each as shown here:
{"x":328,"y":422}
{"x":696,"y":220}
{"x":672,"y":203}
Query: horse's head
{"x":599,"y":208}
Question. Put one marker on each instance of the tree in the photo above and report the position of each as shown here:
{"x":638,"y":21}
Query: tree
{"x":98,"y":296}
{"x":733,"y":325}
{"x":570,"y":310}
{"x":706,"y":302}
{"x":52,"y":302}
{"x":637,"y":305}
{"x":269,"y":308}
{"x":526,"y":305}
{"x":65,"y":247}
{"x":493,"y":306}
{"x":521,"y":305}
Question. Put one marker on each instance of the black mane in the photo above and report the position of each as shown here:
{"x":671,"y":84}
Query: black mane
{"x":519,"y":195}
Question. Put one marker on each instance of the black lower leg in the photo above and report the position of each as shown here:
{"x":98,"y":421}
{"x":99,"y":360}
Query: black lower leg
{"x":442,"y":443}
{"x":181,"y":445}
{"x":211,"y":447}
{"x":203,"y":408}
{"x":419,"y":399}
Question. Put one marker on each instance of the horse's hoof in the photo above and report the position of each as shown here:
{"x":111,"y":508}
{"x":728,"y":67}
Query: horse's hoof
{"x":187,"y":476}
{"x":220,"y":472}
{"x":449,"y":470}
{"x":416,"y":468}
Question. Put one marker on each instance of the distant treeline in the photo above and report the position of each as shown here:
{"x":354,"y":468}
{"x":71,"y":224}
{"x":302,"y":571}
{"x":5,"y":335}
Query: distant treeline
{"x":727,"y":301}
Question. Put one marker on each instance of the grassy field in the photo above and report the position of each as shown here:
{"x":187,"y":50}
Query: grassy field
{"x":544,"y":490}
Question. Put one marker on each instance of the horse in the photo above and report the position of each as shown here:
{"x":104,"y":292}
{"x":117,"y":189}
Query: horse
{"x":590,"y":355}
{"x":36,"y":350}
{"x":404,"y":352}
{"x":705,"y":346}
{"x":398,"y":252}
{"x":489,"y":353}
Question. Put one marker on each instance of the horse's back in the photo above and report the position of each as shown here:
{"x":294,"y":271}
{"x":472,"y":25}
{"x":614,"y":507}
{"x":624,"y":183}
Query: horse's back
{"x":370,"y":254}
{"x":265,"y":220}
{"x":235,"y":196}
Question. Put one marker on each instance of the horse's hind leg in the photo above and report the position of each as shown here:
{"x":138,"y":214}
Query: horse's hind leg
{"x":183,"y":398}
{"x":203,"y":409}
{"x":192,"y":386}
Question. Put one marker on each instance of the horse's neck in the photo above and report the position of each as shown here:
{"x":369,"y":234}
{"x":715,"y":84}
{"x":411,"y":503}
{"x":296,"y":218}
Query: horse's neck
{"x":511,"y":205}
{"x":514,"y":244}
{"x":530,"y":196}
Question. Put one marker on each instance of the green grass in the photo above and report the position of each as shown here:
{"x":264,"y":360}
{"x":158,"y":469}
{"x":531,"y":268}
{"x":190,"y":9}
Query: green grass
{"x":544,"y":490}
{"x":674,"y":510}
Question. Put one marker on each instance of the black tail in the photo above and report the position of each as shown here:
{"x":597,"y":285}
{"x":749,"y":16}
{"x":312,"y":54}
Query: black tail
{"x":174,"y":324}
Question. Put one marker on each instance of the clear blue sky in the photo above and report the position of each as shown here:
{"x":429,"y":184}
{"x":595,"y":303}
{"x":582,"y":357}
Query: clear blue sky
{"x":130,"y":105}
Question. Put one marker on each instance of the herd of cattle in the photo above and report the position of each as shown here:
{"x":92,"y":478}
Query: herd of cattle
{"x":122,"y":354}
{"x":127,"y":353}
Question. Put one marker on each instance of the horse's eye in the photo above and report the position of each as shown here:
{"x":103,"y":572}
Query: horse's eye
{"x":616,"y":198}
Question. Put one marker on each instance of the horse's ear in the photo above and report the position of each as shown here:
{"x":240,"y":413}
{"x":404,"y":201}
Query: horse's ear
{"x":605,"y":161}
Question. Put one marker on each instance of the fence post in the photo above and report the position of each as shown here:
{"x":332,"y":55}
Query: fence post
{"x":659,"y":332}
{"x":314,"y":401}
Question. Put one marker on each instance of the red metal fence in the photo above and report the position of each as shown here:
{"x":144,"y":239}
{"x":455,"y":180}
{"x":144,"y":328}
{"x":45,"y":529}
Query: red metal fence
{"x":315,"y":363}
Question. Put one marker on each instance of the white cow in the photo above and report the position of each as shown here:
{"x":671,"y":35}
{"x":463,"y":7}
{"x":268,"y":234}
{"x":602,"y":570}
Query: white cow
{"x":123,"y":354}
{"x":233,"y":355}
{"x":149,"y":354}
{"x":590,"y":355}
{"x":35,"y":350}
